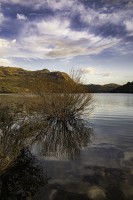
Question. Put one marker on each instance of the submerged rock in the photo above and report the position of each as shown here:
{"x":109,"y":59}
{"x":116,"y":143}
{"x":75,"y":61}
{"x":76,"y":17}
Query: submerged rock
{"x":127,"y":190}
{"x":91,"y":192}
{"x":53,"y":194}
{"x":96,"y":193}
{"x":71,"y":187}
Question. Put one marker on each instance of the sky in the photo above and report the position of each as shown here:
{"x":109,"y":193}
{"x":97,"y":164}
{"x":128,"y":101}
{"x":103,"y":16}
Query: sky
{"x":95,"y":36}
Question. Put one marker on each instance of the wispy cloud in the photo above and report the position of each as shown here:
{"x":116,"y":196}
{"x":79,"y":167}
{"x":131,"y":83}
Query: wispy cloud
{"x":104,"y":74}
{"x":88,"y":70}
{"x":5,"y":62}
{"x":1,"y":18}
{"x":64,"y":29}
{"x":95,"y":71}
{"x":54,"y":39}
{"x":21,"y":17}
{"x":129,"y":25}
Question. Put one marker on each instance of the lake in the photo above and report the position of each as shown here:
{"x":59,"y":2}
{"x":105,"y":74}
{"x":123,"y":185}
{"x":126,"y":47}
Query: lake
{"x":101,"y":170}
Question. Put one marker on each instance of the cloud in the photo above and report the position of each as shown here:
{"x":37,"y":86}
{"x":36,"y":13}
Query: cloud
{"x":8,"y":48}
{"x":56,"y":5}
{"x":104,"y":74}
{"x":115,"y":1}
{"x":53,"y":27}
{"x":129,"y":25}
{"x":4,"y":43}
{"x":21,"y":17}
{"x":1,"y":18}
{"x":53,"y":38}
{"x":20,"y":2}
{"x":5,"y":62}
{"x":35,"y":5}
{"x":95,"y":71}
{"x":88,"y":70}
{"x":62,"y":34}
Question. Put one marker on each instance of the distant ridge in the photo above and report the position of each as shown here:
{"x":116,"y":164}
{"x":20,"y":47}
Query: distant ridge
{"x":102,"y":88}
{"x":17,"y":80}
{"x":127,"y":88}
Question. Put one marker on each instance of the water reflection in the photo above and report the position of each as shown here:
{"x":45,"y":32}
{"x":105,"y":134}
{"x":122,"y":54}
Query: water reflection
{"x":103,"y":171}
{"x":58,"y":138}
{"x":20,"y":177}
{"x":64,"y":140}
{"x":23,"y":180}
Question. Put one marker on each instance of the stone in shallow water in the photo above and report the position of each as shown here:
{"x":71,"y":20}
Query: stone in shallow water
{"x":92,"y":192}
{"x":127,"y":190}
{"x":53,"y":194}
{"x":96,"y":193}
{"x":71,"y":187}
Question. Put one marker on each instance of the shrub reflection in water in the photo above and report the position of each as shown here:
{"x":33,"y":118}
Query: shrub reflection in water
{"x":64,"y":140}
{"x":24,"y":179}
{"x":45,"y":120}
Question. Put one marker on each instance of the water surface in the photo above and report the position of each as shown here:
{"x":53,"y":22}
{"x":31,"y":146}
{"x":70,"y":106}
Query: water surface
{"x":102,"y":169}
{"x":107,"y":162}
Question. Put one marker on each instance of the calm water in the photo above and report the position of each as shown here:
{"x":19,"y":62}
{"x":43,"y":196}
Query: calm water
{"x":102,"y":170}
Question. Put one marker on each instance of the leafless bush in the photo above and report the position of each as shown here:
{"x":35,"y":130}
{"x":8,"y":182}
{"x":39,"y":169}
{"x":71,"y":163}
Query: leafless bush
{"x":67,"y":103}
{"x":17,"y":130}
{"x":24,"y":124}
{"x":62,"y":115}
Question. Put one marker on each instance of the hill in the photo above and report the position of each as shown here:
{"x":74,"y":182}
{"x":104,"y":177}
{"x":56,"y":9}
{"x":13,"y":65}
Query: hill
{"x":15,"y":80}
{"x":127,"y":88}
{"x":102,"y":88}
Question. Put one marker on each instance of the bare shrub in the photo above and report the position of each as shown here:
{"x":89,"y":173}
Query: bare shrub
{"x":62,"y":113}
{"x":24,"y":124}
{"x":17,"y":130}
{"x":68,"y":102}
